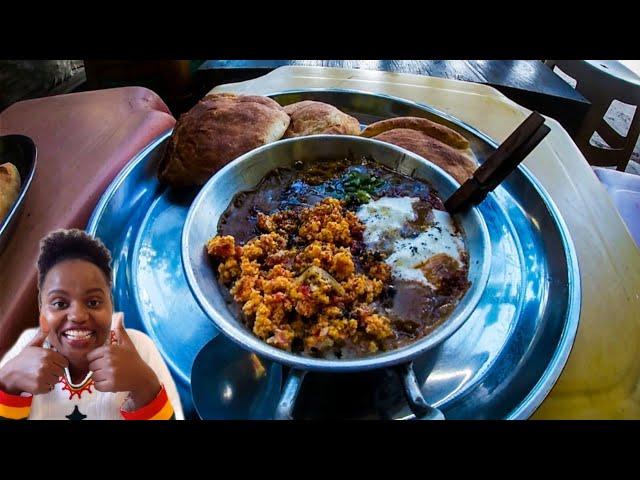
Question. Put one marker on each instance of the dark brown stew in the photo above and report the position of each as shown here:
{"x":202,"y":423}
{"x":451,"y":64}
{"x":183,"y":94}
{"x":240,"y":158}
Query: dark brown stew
{"x":412,"y":308}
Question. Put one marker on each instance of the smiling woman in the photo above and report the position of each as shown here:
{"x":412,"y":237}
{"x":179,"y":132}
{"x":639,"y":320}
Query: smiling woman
{"x":73,"y":266}
{"x":81,"y":362}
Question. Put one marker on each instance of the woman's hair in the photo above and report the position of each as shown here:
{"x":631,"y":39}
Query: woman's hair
{"x":72,"y":244}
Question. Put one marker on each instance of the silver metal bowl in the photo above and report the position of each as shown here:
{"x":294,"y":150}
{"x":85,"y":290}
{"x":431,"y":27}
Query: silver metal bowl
{"x":246,"y":172}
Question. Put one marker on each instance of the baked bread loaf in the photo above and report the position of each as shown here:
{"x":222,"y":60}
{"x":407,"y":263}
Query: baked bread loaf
{"x":456,"y":163}
{"x":218,"y":129}
{"x":433,"y":129}
{"x":314,"y":118}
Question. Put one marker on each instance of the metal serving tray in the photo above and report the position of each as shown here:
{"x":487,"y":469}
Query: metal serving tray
{"x":501,"y":364}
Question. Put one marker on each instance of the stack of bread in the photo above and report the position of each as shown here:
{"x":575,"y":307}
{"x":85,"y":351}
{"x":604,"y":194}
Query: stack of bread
{"x":223,"y":126}
{"x":435,"y":142}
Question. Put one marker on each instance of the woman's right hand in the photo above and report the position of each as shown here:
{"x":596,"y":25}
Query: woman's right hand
{"x":34,"y":370}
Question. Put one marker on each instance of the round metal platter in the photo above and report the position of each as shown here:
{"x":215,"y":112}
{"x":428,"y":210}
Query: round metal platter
{"x":500,"y":365}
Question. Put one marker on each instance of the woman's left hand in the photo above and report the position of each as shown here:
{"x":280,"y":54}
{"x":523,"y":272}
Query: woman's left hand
{"x":119,"y":368}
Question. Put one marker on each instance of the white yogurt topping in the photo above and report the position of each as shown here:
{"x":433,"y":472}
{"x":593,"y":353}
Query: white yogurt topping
{"x":386,"y":217}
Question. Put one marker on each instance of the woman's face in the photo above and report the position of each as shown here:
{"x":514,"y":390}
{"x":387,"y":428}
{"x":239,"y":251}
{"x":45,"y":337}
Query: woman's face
{"x":76,"y":303}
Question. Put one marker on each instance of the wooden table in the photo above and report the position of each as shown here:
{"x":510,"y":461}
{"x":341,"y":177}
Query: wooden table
{"x":529,"y":83}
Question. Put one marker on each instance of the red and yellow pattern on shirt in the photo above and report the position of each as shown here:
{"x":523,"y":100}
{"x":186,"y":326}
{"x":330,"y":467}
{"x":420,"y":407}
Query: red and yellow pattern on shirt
{"x":14,"y":407}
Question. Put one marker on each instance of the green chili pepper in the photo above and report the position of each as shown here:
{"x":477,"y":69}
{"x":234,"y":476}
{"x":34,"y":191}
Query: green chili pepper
{"x":362,"y":196}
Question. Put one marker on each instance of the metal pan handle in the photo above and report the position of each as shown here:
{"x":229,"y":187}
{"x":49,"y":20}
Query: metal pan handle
{"x":420,"y":408}
{"x":287,"y":402}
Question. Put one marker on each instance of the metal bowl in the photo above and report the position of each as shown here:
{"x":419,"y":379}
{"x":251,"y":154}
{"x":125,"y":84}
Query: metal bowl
{"x":246,"y":172}
{"x":21,"y":151}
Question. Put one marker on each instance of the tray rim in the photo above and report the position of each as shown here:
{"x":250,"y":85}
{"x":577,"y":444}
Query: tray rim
{"x":530,"y":403}
{"x":122,"y":175}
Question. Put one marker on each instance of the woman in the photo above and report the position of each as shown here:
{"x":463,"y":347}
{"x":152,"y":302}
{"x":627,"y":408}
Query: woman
{"x":81,"y":363}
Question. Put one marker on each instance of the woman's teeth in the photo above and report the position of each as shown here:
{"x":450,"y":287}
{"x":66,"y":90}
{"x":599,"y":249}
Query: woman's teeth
{"x":78,"y":334}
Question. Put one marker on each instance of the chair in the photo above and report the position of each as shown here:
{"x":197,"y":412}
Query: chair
{"x":601,"y":82}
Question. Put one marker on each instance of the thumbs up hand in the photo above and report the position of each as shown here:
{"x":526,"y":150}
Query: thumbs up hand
{"x":121,"y":336}
{"x":119,"y":368}
{"x":35,"y":369}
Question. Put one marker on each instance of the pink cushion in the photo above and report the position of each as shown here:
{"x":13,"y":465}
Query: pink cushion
{"x":83,"y":141}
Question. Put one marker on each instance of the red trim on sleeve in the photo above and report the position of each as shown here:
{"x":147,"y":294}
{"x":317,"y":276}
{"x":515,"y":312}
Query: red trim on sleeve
{"x":15,"y":401}
{"x":150,"y":409}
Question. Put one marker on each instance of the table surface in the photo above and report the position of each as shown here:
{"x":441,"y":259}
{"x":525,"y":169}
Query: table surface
{"x":530,"y":83}
{"x":601,"y":377}
{"x":530,"y":75}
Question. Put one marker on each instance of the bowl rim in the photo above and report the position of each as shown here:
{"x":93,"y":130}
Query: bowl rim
{"x":237,"y":332}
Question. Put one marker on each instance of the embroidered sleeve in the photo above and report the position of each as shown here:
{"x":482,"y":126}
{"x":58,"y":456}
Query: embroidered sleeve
{"x":150,"y":354}
{"x":14,"y":407}
{"x":158,"y":409}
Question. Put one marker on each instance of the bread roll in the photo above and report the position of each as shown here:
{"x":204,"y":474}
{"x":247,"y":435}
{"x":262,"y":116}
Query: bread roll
{"x":314,"y":118}
{"x":220,"y":128}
